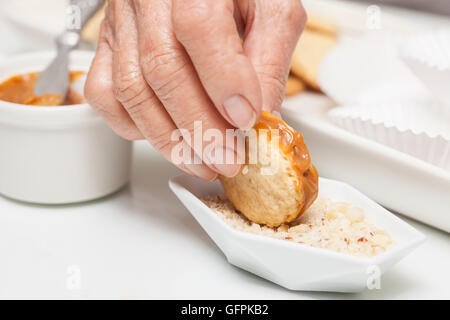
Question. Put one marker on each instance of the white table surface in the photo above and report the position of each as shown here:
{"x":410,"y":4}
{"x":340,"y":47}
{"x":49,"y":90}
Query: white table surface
{"x":142,"y":243}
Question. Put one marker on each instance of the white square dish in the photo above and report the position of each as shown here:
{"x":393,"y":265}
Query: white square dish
{"x":297,"y":266}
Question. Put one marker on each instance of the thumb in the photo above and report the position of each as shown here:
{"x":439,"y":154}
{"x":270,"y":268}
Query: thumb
{"x":208,"y":32}
{"x":272,"y":31}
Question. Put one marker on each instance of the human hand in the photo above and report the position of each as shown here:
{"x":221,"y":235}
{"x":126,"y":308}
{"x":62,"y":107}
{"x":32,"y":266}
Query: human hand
{"x":162,"y":65}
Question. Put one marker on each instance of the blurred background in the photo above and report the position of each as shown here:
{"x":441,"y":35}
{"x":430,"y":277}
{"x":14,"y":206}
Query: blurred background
{"x":30,"y":24}
{"x":441,"y":7}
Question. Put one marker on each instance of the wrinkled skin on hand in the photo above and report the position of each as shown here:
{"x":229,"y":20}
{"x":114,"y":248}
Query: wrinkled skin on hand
{"x":164,"y":64}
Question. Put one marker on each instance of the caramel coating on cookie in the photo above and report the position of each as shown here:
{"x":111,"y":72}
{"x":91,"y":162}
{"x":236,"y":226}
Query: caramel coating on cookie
{"x":293,"y":145}
{"x":282,"y":196}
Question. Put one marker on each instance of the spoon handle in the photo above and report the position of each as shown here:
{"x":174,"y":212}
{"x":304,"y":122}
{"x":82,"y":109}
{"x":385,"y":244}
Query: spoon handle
{"x":54,"y":79}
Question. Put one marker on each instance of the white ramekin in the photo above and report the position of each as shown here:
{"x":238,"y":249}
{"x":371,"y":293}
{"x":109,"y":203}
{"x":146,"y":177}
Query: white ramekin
{"x":57,"y":155}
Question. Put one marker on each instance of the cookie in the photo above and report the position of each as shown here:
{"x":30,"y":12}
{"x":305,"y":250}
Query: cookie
{"x":277,"y":191}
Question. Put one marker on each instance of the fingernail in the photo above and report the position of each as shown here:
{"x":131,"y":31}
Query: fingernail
{"x":225,"y":162}
{"x":240,"y":113}
{"x":202,"y":171}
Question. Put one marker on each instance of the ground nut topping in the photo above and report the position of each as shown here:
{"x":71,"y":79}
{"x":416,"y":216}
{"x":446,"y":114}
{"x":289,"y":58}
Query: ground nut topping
{"x":336,"y":226}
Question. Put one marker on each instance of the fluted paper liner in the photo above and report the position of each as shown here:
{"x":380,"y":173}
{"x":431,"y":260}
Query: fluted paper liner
{"x":369,"y":69}
{"x":428,"y":57}
{"x":418,"y":130}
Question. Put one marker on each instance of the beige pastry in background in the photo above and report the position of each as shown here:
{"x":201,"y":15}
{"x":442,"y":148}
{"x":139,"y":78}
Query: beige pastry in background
{"x":92,"y":29}
{"x":318,"y":24}
{"x":282,"y":195}
{"x":294,"y":85}
{"x":308,"y":54}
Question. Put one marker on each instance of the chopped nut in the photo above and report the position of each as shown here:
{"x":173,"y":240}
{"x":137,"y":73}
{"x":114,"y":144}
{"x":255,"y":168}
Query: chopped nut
{"x":339,"y":207}
{"x":301,"y":228}
{"x":332,"y":215}
{"x":335,"y":226}
{"x":355,"y":214}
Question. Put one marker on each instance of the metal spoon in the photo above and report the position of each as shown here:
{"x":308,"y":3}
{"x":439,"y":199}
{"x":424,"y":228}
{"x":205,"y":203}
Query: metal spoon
{"x":55,"y":78}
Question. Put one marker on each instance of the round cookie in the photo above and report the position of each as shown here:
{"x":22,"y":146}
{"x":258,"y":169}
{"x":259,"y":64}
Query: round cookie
{"x":280,"y":184}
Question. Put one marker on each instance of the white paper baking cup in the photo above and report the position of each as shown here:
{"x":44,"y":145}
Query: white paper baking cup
{"x":369,"y":69}
{"x":420,"y":131}
{"x":428,"y":56}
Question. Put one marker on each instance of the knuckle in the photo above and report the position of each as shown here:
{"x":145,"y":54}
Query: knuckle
{"x":154,"y":64}
{"x":273,"y":74}
{"x":95,"y":90}
{"x":136,"y":104}
{"x":133,"y":93}
{"x":274,"y":86}
{"x":127,"y":87}
{"x":98,"y":93}
{"x":273,"y":78}
{"x":164,"y":70}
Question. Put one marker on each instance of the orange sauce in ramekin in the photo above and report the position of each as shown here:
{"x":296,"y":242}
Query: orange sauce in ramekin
{"x":20,"y":89}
